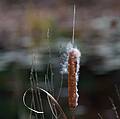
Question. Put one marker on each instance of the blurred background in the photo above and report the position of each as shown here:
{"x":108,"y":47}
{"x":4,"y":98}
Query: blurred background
{"x":23,"y":29}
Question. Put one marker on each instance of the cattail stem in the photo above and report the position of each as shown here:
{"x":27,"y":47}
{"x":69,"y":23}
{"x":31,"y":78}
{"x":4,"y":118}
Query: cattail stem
{"x":73,"y":35}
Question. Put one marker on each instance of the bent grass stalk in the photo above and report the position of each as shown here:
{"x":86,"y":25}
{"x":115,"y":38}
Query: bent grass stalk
{"x":49,"y":96}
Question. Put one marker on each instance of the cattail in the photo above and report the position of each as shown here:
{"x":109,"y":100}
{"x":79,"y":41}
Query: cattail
{"x":73,"y":69}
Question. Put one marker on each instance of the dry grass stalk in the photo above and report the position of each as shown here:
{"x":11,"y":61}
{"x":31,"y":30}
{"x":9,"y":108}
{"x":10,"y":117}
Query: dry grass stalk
{"x":114,"y":108}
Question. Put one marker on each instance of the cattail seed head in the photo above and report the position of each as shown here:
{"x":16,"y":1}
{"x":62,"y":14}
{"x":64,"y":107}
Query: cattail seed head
{"x":73,"y":68}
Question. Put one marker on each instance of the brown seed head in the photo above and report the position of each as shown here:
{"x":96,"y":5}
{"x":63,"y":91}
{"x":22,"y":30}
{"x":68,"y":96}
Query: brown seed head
{"x":72,"y":71}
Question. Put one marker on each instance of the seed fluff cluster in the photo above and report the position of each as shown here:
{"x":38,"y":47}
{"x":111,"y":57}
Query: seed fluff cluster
{"x":71,"y":66}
